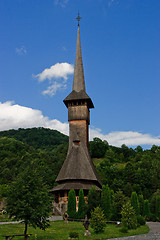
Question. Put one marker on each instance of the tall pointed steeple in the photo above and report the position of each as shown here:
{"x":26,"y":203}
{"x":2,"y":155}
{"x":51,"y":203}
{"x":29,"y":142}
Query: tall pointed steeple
{"x":78,"y":171}
{"x":78,"y":90}
{"x":78,"y":81}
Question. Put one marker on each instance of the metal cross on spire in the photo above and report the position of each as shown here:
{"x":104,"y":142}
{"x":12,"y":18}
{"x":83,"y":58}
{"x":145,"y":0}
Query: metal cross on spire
{"x":78,"y":18}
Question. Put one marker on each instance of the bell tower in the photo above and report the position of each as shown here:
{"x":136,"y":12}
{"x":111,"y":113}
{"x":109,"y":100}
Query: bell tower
{"x":78,"y":170}
{"x":78,"y":103}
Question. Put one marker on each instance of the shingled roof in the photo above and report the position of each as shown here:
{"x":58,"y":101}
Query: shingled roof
{"x":75,"y":185}
{"x":82,"y":95}
{"x":78,"y":166}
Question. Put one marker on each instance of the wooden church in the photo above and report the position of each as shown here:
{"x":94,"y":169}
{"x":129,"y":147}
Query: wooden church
{"x":78,"y":171}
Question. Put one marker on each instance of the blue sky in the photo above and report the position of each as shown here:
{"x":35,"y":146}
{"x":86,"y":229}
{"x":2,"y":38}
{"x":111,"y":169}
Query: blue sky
{"x":121,"y":57}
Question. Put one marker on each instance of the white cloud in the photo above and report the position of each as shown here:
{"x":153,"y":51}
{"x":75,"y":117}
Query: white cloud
{"x":128,"y":138}
{"x":51,"y":90}
{"x":14,"y":116}
{"x":59,"y":70}
{"x":21,"y":51}
{"x":57,"y":76}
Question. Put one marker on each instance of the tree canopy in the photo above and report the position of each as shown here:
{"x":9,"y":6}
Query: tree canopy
{"x":28,"y":199}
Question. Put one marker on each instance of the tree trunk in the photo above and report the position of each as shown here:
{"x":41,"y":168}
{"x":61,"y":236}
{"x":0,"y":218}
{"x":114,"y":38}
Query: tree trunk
{"x":25,"y":231}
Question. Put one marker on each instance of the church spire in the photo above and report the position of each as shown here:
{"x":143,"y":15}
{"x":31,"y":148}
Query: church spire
{"x":78,"y":81}
{"x":78,"y":90}
{"x":78,"y":171}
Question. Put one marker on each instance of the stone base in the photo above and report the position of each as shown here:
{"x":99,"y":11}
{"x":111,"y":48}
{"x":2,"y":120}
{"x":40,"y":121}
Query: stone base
{"x":87,"y":233}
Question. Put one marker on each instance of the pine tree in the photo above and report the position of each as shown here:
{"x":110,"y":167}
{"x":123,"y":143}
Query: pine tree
{"x":112,"y":201}
{"x":98,"y":222}
{"x":93,"y":200}
{"x":158,"y":208}
{"x":106,"y":201}
{"x":135,"y":203}
{"x":153,"y":202}
{"x":141,"y":204}
{"x":81,"y":204}
{"x":128,"y":219}
{"x":146,"y":212}
{"x":118,"y":202}
{"x":71,"y":207}
{"x":112,"y":196}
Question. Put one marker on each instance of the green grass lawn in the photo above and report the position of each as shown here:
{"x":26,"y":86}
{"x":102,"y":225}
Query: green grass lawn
{"x":4,"y":218}
{"x":60,"y":231}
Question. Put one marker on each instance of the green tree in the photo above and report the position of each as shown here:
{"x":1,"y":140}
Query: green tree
{"x":98,"y":222}
{"x":81,"y":205}
{"x":146,"y":212}
{"x":141,"y":204}
{"x":112,"y":198}
{"x":28,"y":199}
{"x":71,"y":207}
{"x":93,"y":200}
{"x":118,"y":201}
{"x":128,"y":219}
{"x":153,"y":201}
{"x":106,"y":201}
{"x":110,"y":155}
{"x":127,"y":152}
{"x":127,"y":189}
{"x":98,"y":148}
{"x":139,"y":149}
{"x":129,"y":173}
{"x":158,"y":208}
{"x":135,"y":203}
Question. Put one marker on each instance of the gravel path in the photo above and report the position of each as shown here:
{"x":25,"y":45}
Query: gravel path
{"x":154,"y":233}
{"x":14,"y":222}
{"x":53,"y":218}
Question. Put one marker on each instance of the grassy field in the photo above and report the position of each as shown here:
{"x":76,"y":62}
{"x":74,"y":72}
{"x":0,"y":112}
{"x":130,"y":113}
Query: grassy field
{"x":4,"y":218}
{"x":60,"y":231}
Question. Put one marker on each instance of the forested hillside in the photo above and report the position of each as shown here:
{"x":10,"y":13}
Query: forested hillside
{"x":46,"y":148}
{"x":122,"y":168}
{"x":130,"y":169}
{"x":39,"y":138}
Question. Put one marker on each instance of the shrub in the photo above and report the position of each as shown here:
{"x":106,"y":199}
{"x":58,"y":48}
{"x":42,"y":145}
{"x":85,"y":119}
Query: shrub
{"x":98,"y":222}
{"x":153,"y":218}
{"x":129,"y":219}
{"x":123,"y":229}
{"x":141,"y":220}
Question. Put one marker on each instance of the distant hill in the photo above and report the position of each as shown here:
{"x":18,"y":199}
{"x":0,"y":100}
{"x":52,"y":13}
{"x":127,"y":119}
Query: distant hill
{"x":12,"y":155}
{"x":38,"y":138}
